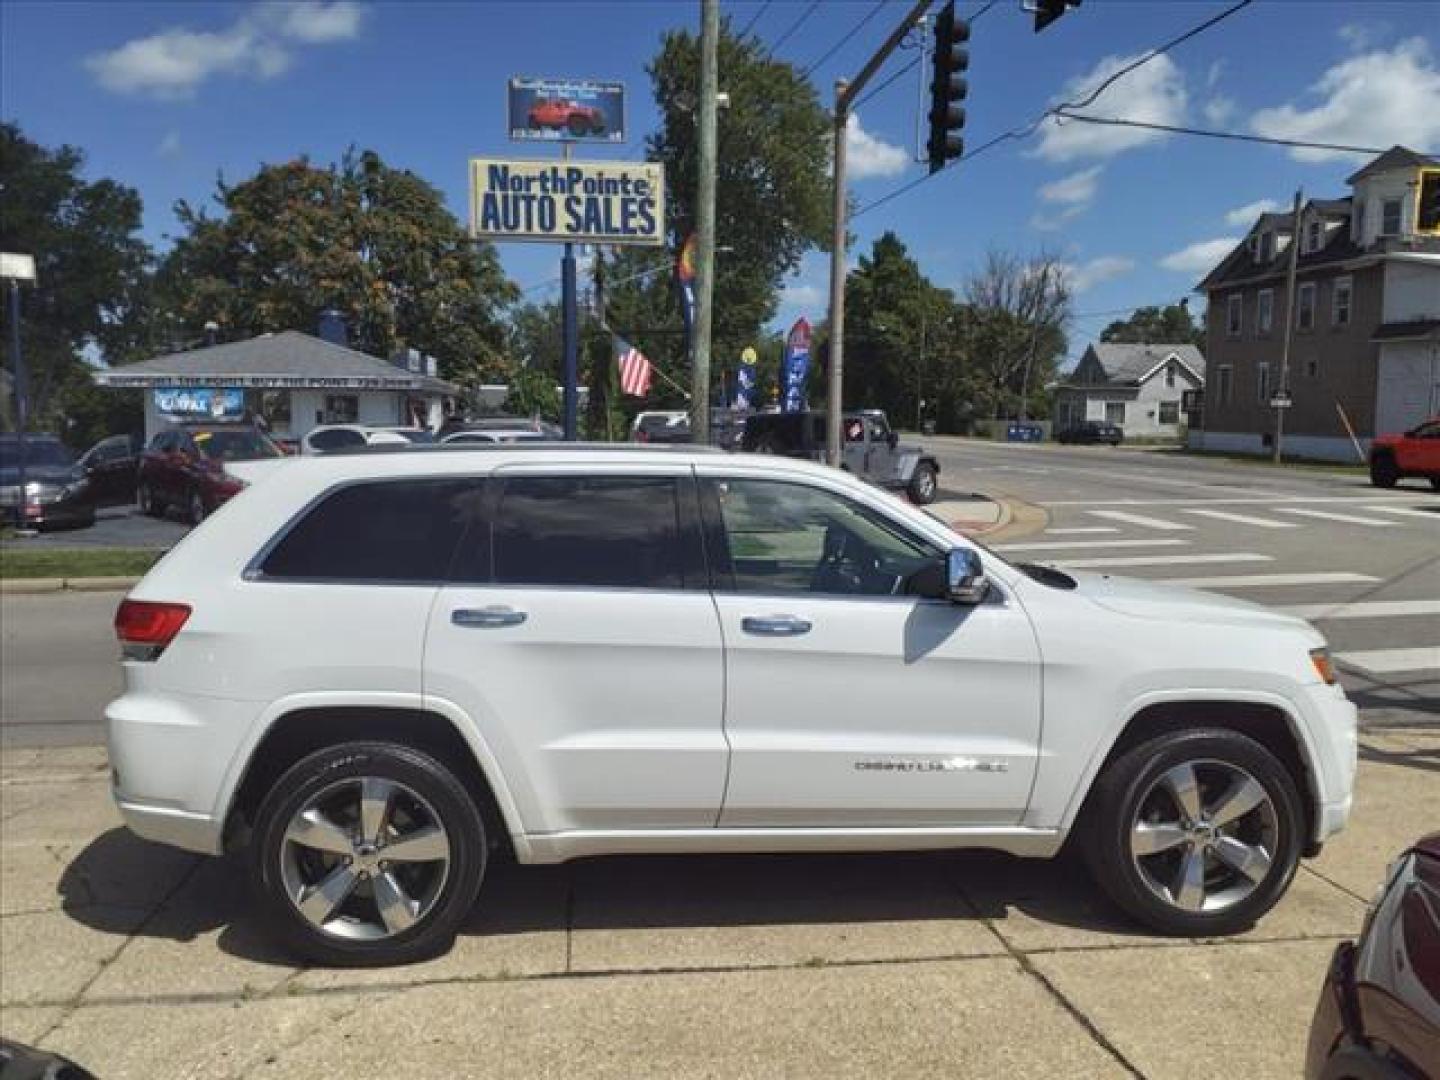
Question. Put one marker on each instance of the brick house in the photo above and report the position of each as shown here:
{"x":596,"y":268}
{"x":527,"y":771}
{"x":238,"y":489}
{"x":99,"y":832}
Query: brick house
{"x":1366,"y":336}
{"x":1146,"y":389}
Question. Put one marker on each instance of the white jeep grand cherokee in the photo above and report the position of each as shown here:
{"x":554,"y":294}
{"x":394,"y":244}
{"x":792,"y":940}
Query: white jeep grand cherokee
{"x":381,"y":670}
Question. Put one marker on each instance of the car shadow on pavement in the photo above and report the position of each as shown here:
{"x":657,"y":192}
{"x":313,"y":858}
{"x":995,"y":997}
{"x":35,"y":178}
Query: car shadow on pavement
{"x":1427,"y":759}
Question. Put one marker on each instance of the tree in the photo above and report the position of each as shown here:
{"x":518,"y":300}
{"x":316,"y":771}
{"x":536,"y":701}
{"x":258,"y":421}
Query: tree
{"x":535,"y":337}
{"x":533,"y":393}
{"x":1170,"y":325}
{"x":90,"y":296}
{"x":374,"y":242}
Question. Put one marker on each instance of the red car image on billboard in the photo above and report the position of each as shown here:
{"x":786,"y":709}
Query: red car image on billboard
{"x":570,"y":111}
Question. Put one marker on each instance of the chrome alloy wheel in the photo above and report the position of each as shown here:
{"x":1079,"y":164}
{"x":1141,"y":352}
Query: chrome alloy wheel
{"x":364,"y":859}
{"x":1204,"y":836}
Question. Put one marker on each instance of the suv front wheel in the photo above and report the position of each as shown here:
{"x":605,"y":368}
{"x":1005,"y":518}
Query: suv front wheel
{"x":367,"y":853}
{"x":1195,"y":833}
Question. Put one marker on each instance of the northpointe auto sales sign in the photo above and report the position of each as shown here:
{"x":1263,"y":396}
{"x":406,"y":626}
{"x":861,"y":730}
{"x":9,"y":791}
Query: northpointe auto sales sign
{"x":586,"y":202}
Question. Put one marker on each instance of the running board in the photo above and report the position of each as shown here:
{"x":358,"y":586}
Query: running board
{"x":579,"y":844}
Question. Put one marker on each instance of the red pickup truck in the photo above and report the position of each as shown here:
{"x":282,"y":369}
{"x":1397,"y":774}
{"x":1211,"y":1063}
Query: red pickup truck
{"x":1415,"y":453}
{"x":563,"y":113}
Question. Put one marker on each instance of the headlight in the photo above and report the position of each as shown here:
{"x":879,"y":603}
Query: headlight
{"x":34,"y":487}
{"x":1324,"y":666}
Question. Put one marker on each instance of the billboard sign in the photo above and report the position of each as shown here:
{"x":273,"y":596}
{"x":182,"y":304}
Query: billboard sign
{"x":200,"y":403}
{"x":566,"y":110}
{"x":583,"y":202}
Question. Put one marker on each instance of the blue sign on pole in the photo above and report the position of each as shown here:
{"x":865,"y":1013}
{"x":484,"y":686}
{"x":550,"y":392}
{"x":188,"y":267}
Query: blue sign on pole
{"x":745,"y":380}
{"x":795,"y":368}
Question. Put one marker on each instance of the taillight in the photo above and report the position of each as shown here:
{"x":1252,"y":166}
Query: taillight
{"x":145,"y":627}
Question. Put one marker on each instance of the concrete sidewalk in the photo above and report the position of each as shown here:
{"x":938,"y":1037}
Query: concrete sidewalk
{"x":139,"y":961}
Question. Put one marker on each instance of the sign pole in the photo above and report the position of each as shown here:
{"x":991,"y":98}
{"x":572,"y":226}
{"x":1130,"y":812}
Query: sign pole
{"x":569,"y":334}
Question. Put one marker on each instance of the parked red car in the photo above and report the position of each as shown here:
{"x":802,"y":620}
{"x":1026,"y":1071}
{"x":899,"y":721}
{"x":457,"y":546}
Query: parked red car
{"x":184,"y":467}
{"x":559,"y":113}
{"x":1415,"y":453}
{"x":1379,"y":1012}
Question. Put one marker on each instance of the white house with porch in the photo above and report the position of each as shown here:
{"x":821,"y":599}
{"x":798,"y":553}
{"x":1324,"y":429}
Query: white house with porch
{"x":1148,"y":390}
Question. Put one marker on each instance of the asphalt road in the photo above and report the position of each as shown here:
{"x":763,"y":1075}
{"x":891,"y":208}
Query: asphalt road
{"x":115,"y":526}
{"x":1364,"y":565}
{"x":1361,"y":563}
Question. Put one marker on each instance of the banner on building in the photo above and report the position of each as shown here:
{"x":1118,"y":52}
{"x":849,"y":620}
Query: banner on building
{"x":206,"y":403}
{"x":795,"y":368}
{"x":566,"y":110}
{"x":745,"y":380}
{"x":583,"y":202}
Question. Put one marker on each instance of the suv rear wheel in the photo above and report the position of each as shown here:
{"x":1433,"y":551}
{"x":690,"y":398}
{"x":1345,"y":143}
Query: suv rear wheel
{"x":1384,"y":473}
{"x":367,"y":853}
{"x":145,"y":499}
{"x":1195,"y":832}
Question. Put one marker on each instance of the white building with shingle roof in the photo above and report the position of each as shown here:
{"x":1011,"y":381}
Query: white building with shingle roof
{"x":1149,"y":390}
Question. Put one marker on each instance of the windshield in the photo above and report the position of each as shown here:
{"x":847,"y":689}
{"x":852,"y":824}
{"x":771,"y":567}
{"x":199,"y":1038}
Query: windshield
{"x":242,"y":445}
{"x":37,"y":452}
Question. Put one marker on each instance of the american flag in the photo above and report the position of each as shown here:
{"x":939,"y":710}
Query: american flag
{"x":634,"y":369}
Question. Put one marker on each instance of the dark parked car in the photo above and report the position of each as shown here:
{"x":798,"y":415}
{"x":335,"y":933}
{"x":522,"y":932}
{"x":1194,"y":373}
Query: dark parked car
{"x":184,"y":467}
{"x":1091,"y":431}
{"x":111,"y":466}
{"x":870,"y":449}
{"x":57,"y":491}
{"x":1379,"y":1012}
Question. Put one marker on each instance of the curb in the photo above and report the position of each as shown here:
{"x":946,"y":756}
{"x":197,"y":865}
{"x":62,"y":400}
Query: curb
{"x":1019,"y":518}
{"x":35,"y":586}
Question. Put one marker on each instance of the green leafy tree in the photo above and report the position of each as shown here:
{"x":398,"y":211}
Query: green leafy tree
{"x":533,"y":393}
{"x":1170,"y":325}
{"x":90,"y":298}
{"x":374,"y":242}
{"x":535,"y":337}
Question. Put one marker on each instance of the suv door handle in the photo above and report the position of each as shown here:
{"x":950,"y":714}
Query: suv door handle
{"x":477,"y":618}
{"x":775,"y":625}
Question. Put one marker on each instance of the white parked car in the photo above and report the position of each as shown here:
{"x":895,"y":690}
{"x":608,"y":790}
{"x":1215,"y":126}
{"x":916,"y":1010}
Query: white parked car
{"x":376,"y":670}
{"x":331,"y":437}
{"x":487,"y":437}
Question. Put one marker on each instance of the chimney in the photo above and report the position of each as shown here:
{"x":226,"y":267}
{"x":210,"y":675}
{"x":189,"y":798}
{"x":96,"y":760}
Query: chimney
{"x":332,"y":328}
{"x":432,"y":367}
{"x":212,"y":332}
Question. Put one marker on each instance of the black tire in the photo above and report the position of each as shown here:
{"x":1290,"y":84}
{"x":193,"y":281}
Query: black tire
{"x":195,"y":509}
{"x":1384,"y":473}
{"x":146,"y":501}
{"x":434,"y":932}
{"x":924,"y":484}
{"x":1115,"y":802}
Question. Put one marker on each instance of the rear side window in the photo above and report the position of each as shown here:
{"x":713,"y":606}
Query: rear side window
{"x":401,"y":530}
{"x":602,"y":532}
{"x":336,"y":438}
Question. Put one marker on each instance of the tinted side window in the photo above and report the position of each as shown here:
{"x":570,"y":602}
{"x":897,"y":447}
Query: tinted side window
{"x":616,"y":532}
{"x":403,"y":530}
{"x":332,"y":440}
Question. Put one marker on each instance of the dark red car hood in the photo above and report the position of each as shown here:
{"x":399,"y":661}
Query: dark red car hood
{"x":1430,"y":845}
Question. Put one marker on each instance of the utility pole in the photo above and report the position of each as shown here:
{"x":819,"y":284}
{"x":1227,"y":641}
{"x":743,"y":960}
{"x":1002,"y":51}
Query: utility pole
{"x":570,"y":336}
{"x":705,"y":222}
{"x":845,"y":93}
{"x":1282,"y":391}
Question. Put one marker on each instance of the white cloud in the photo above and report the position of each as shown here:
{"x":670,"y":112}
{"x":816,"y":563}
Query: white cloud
{"x":1361,"y":36}
{"x":173,"y":63}
{"x":170,"y":145}
{"x":803,"y":297}
{"x":1050,"y":222}
{"x":1242,"y":217}
{"x":867,"y":156}
{"x":1219,"y":110}
{"x":1082,"y":277}
{"x":1373,"y":99}
{"x":1153,"y":93}
{"x":1212,"y":77}
{"x":1199,"y":258}
{"x":1077,"y":189}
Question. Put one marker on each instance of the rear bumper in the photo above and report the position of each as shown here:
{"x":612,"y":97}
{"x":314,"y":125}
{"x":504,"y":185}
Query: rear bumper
{"x":169,"y":825}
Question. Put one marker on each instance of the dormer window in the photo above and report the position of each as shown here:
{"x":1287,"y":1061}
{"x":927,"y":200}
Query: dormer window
{"x":1267,"y":246}
{"x":1314,"y":234}
{"x":1390,"y":217}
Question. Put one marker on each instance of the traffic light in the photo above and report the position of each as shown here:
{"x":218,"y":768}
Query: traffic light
{"x":1047,"y":11}
{"x":948,"y":88}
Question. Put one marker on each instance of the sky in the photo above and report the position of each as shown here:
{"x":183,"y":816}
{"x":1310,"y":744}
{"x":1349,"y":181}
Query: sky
{"x":165,"y":97}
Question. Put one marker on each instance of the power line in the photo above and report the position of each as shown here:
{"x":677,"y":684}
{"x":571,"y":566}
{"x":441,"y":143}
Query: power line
{"x":844,"y":40}
{"x":908,"y":67}
{"x":775,"y":48}
{"x":1002,"y":137}
{"x":756,"y":17}
{"x":1238,"y":136}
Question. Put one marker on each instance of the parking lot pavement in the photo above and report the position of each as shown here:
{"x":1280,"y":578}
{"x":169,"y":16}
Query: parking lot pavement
{"x":140,"y":961}
{"x":115,"y":526}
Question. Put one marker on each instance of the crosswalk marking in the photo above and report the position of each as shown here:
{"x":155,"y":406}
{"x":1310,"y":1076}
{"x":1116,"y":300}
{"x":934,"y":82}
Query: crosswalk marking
{"x":1231,"y":500}
{"x":1406,"y":511}
{"x":1330,"y":515}
{"x":1163,"y":560}
{"x":1246,"y":519}
{"x":1139,"y":519}
{"x":1076,"y":545}
{"x":1364,"y":609}
{"x":1391,"y":661}
{"x":1245,"y":581}
{"x":1082,"y":530}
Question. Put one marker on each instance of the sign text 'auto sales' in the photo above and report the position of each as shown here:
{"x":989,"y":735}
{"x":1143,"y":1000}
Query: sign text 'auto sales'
{"x":587,"y":202}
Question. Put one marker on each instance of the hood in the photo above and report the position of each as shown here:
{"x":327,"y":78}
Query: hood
{"x":1172,"y":603}
{"x":43,"y":474}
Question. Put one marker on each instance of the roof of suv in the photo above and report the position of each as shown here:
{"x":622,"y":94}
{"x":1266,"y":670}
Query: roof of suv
{"x":528,"y":447}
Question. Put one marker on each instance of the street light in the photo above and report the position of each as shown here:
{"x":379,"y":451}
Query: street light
{"x":16,"y":268}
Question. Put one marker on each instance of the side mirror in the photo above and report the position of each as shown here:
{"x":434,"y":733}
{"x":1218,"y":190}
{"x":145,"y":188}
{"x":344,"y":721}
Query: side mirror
{"x":965,"y":580}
